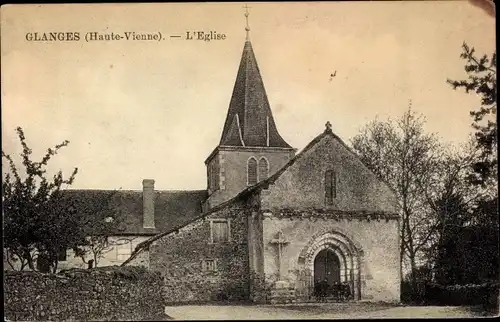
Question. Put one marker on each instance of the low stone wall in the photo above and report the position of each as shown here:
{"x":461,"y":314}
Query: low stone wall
{"x":104,"y":293}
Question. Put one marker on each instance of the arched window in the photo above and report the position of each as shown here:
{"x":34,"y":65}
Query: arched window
{"x":263,"y":169}
{"x":251,"y":171}
{"x":330,"y":186}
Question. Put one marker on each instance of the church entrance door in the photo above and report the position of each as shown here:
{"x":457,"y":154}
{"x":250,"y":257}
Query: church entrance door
{"x":327,"y":267}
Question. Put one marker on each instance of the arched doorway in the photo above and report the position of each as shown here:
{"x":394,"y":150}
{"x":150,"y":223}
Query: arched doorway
{"x":327,"y":267}
{"x":329,"y":251}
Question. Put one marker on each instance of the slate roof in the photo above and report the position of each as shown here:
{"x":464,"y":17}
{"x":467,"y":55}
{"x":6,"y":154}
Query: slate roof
{"x":249,"y":121}
{"x":172,"y":208}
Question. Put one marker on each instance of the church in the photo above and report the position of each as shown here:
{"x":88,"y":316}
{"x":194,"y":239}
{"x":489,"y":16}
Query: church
{"x":272,"y":223}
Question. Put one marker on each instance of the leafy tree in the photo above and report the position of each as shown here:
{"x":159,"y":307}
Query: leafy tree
{"x":466,"y":247}
{"x":33,"y":220}
{"x":477,"y":241}
{"x":482,"y":80}
{"x":43,"y":220}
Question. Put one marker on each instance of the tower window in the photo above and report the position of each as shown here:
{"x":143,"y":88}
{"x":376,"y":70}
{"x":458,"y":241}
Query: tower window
{"x":330,"y":186}
{"x":251,"y":171}
{"x":263,"y":169}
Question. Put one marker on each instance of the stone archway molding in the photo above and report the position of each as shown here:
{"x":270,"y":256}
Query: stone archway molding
{"x":336,"y":233}
{"x":348,"y":251}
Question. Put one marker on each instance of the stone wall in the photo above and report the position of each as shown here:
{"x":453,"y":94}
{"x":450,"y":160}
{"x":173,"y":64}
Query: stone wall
{"x":108,"y":293}
{"x":180,"y":257}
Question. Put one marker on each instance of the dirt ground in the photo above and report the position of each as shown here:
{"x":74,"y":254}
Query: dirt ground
{"x":315,"y":311}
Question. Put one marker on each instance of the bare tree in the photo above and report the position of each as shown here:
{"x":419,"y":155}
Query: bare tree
{"x":408,"y":160}
{"x":100,"y":220}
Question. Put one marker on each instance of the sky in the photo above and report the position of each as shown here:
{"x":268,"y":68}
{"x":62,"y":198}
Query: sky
{"x":136,"y":109}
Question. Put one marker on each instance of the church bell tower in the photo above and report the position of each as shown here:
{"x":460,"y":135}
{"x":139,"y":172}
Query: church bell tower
{"x":250,"y":149}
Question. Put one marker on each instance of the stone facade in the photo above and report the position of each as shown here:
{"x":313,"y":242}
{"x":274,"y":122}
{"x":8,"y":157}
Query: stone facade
{"x":359,"y":224}
{"x":374,"y":253}
{"x":302,"y":185}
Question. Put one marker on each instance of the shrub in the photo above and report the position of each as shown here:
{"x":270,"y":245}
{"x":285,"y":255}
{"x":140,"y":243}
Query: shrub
{"x":409,"y":295}
{"x":485,"y":295}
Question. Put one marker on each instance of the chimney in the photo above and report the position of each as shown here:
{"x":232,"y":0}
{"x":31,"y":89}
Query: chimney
{"x":148,"y":203}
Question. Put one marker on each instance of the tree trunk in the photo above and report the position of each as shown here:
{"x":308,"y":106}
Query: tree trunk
{"x":402,"y":245}
{"x":413,"y":277}
{"x":31,"y":265}
{"x":10,"y":264}
{"x":23,"y":263}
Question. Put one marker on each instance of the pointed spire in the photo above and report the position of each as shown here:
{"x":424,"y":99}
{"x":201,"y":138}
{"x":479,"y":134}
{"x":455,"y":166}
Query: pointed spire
{"x":249,"y":120}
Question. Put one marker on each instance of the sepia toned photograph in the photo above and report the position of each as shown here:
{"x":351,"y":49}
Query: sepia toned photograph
{"x":249,"y":161}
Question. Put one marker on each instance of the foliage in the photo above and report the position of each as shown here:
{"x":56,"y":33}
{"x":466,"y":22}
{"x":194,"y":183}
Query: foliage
{"x":43,"y":220}
{"x":454,"y":198}
{"x":467,"y":255}
{"x":33,"y":220}
{"x":482,"y":80}
{"x":467,"y":248}
{"x":464,"y":248}
{"x":485,"y":294}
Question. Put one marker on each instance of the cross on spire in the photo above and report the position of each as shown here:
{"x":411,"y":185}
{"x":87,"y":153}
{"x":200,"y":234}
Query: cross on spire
{"x":247,"y":28}
{"x":328,"y":126}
